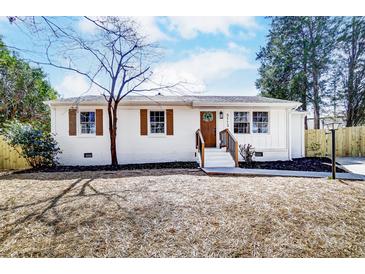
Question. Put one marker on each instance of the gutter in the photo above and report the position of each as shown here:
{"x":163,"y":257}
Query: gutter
{"x":125,"y":103}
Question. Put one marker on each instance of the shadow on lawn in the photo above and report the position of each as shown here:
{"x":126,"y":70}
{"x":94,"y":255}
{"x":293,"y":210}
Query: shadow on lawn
{"x":47,"y":212}
{"x":38,"y":214}
{"x":80,"y":204}
{"x":34,"y":228}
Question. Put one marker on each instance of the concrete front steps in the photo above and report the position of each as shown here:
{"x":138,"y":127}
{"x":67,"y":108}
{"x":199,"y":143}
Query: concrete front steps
{"x":216,"y":157}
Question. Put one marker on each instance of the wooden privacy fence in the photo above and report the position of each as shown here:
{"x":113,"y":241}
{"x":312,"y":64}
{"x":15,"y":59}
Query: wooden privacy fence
{"x":350,"y":141}
{"x":10,"y":158}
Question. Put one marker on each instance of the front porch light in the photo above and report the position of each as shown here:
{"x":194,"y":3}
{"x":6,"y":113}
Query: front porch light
{"x":221,"y":115}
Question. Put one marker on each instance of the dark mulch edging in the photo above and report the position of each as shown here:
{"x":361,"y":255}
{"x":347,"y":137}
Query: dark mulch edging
{"x":168,"y":165}
{"x":321,"y":164}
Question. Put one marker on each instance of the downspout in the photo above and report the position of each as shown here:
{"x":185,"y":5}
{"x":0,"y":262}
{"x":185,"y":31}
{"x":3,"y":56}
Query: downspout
{"x":289,"y":133}
{"x":55,"y":121}
{"x":303,"y":136}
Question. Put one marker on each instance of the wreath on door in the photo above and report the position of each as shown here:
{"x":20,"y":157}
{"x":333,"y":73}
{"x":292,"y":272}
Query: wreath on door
{"x":207,"y":117}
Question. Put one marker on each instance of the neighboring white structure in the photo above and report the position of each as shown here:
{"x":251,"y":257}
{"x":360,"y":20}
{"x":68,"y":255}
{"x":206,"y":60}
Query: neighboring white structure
{"x":163,"y":128}
{"x":325,"y":120}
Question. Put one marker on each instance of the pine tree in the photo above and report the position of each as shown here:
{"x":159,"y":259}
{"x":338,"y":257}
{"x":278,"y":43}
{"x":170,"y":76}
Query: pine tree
{"x":296,"y":60}
{"x":351,"y":67}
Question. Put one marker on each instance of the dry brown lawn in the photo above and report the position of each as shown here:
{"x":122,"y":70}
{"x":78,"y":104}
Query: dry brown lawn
{"x":179,"y":213}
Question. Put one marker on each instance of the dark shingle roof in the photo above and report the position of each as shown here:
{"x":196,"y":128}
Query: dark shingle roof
{"x":189,"y":100}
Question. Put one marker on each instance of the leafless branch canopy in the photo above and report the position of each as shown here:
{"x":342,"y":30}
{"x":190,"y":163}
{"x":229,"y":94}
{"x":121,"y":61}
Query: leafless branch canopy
{"x":113,"y":55}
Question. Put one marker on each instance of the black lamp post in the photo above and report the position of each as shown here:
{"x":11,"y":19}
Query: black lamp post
{"x":332,"y":128}
{"x":333,"y":152}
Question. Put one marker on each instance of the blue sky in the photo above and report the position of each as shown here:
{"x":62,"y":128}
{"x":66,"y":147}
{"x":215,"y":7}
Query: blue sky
{"x":215,"y":53}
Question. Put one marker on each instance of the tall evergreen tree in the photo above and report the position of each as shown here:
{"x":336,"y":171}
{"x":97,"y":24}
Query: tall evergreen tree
{"x":351,"y":69}
{"x":296,"y":59}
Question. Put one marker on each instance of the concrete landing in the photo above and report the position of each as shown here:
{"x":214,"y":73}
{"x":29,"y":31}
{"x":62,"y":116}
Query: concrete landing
{"x":353,"y":164}
{"x":280,"y":173}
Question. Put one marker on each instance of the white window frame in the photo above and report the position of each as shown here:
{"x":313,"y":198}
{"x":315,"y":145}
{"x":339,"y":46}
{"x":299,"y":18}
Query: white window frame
{"x":248,"y":121}
{"x":268,"y":122}
{"x":149,"y":123}
{"x":79,"y":123}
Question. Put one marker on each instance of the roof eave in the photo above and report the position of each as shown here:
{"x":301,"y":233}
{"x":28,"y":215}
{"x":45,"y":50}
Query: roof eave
{"x":89,"y":103}
{"x":177,"y":103}
{"x":155,"y":103}
{"x":241,"y":104}
{"x":122,"y":103}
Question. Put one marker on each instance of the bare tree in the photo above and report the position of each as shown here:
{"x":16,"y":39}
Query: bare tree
{"x":115,"y":58}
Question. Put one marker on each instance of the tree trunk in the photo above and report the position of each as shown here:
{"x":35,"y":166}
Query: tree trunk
{"x":305,"y":90}
{"x":316,"y":99}
{"x":304,"y":107}
{"x":304,"y":96}
{"x":316,"y":116}
{"x":350,"y":81}
{"x":112,"y":114}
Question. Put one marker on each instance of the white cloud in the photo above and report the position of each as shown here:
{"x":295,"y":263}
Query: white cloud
{"x":232,"y":45}
{"x":186,"y":26}
{"x":190,"y":27}
{"x":74,"y":85}
{"x":246,"y":35}
{"x":87,"y":26}
{"x":237,"y":48}
{"x":201,"y":68}
{"x":149,"y":27}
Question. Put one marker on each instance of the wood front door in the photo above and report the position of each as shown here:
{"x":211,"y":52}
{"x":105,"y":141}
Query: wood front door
{"x":208,"y":127}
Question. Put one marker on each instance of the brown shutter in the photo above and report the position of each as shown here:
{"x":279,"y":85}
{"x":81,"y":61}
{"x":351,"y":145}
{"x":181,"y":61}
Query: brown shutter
{"x":170,"y":121}
{"x":99,"y":122}
{"x":143,"y":121}
{"x":72,"y":122}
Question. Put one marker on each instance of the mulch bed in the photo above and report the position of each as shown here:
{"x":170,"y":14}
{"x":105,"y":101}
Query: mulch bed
{"x":321,"y":164}
{"x":167,"y":165}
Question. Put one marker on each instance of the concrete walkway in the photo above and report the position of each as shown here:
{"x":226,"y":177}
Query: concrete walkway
{"x":281,"y":173}
{"x":353,"y":164}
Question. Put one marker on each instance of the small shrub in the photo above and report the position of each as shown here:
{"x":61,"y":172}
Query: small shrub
{"x":38,"y":147}
{"x":247,"y":152}
{"x":316,"y":148}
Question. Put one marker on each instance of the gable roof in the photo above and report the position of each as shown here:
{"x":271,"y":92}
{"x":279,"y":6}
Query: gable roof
{"x":179,"y":100}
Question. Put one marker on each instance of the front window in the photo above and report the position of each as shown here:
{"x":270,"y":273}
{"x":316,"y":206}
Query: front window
{"x":260,"y":122}
{"x":241,"y":122}
{"x":87,"y":122}
{"x":157,"y":121}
